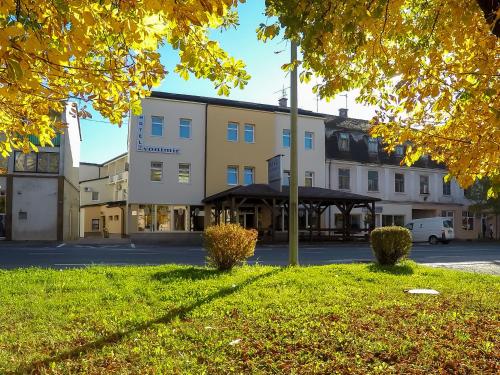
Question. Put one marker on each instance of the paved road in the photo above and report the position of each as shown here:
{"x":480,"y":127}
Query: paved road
{"x":14,"y":255}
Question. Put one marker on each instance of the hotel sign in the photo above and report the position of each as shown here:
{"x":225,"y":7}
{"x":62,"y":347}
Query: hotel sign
{"x":275,"y":172}
{"x":146,"y":148}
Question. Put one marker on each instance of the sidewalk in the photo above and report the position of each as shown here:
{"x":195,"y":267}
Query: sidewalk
{"x":99,"y":240}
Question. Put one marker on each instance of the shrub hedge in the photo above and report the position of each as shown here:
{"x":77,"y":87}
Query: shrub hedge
{"x":229,"y":244}
{"x":390,"y":244}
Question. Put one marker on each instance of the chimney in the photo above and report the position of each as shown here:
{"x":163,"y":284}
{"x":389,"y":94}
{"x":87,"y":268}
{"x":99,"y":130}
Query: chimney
{"x":343,"y":112}
{"x":283,"y":102}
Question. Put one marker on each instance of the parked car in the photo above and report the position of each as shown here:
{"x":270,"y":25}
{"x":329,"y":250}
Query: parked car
{"x":432,"y":229}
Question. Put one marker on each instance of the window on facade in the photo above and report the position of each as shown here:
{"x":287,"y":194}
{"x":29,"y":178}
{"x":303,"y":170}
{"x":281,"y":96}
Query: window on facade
{"x":467,"y":220}
{"x":95,"y":195}
{"x":157,"y":126}
{"x":446,"y":187}
{"x":424,"y":184}
{"x":248,"y":175}
{"x":399,"y":150}
{"x":308,"y":140}
{"x":448,"y":214}
{"x":388,"y":220}
{"x":344,"y":142}
{"x":184,"y":173}
{"x":372,"y":181}
{"x":286,"y":178}
{"x":162,"y":216}
{"x":185,"y":128}
{"x":180,"y":216}
{"x":24,"y":162}
{"x":249,"y":133}
{"x":232,"y":175}
{"x":48,"y":162}
{"x":286,"y":138}
{"x":156,"y":170}
{"x":232,"y":132}
{"x":4,"y":164}
{"x":95,"y":224}
{"x":372,"y":145}
{"x":344,"y":178}
{"x":309,"y":179}
{"x":399,"y":183}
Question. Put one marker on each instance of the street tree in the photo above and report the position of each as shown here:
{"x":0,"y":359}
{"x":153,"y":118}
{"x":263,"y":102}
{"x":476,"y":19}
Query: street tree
{"x":431,"y":67}
{"x":104,"y":52}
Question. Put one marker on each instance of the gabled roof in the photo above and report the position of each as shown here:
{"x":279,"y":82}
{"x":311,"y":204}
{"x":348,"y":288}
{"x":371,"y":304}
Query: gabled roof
{"x":232,"y":103}
{"x":305,"y":194}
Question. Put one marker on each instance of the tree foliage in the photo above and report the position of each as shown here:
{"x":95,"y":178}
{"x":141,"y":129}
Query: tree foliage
{"x":103,"y":51}
{"x":431,"y":66}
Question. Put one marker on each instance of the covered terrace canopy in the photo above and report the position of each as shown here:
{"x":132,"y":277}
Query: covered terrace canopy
{"x":313,"y":199}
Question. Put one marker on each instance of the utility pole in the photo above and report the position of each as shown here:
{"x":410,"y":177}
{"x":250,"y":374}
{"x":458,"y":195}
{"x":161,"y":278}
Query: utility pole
{"x":293,"y":207}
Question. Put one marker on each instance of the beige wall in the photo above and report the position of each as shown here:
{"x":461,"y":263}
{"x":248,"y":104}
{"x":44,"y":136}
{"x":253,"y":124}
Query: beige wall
{"x":97,"y":212}
{"x":221,"y":152}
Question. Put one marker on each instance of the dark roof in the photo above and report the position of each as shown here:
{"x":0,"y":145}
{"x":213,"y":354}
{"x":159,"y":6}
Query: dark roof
{"x":232,"y":103}
{"x":358,"y":144}
{"x":305,"y":194}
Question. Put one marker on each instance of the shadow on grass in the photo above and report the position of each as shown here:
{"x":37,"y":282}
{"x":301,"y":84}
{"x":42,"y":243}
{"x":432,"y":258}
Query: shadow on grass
{"x":116,"y":337}
{"x":190,"y":273}
{"x":398,"y":269}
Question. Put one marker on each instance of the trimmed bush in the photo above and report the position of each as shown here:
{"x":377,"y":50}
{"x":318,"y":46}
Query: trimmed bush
{"x":390,"y":244}
{"x":229,"y":244}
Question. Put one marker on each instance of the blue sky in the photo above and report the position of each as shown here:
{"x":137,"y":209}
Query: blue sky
{"x":103,"y":141}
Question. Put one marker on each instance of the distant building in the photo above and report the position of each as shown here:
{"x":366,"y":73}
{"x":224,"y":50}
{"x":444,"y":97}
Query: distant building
{"x":39,"y":192}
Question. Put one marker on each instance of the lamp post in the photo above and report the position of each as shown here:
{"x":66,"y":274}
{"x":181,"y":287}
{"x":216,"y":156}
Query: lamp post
{"x":293,"y":210}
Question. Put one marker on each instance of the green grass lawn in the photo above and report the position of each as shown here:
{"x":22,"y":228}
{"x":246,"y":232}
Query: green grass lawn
{"x":347,"y":319}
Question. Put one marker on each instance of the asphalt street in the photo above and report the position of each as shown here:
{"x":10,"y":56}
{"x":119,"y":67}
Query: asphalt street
{"x":69,"y":255}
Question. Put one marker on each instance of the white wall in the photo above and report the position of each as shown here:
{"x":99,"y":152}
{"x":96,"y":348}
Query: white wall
{"x":71,"y":146}
{"x":192,"y":151}
{"x":88,"y":172}
{"x":38,"y":198}
{"x":309,"y":160}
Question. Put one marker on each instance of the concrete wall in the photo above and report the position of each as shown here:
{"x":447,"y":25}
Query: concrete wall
{"x":309,"y":160}
{"x":168,"y":191}
{"x":37,"y":197}
{"x":98,"y":212}
{"x":222,"y":153}
{"x":70,"y":162}
{"x":102,"y":186}
{"x":71,"y":212}
{"x":88,"y":172}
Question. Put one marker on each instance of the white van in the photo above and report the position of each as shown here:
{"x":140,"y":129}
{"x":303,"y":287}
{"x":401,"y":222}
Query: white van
{"x":432,"y":229}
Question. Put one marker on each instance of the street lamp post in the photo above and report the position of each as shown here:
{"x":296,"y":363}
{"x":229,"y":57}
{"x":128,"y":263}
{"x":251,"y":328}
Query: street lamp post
{"x":293,"y":209}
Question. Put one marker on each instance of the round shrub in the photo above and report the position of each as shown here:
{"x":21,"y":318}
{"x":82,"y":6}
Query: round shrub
{"x":228,"y":245}
{"x":390,"y":244}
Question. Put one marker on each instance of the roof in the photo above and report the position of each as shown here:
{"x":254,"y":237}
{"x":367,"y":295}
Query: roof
{"x":305,"y":194}
{"x":232,"y":103}
{"x":106,"y":162}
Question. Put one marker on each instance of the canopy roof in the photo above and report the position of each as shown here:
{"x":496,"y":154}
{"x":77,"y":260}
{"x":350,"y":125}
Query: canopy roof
{"x":312,"y":194}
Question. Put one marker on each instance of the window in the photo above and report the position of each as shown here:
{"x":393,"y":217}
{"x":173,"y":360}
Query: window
{"x":41,"y":162}
{"x":249,"y":133}
{"x":185,"y":128}
{"x":116,"y":217}
{"x":344,"y":142}
{"x":424,"y":184}
{"x":232,"y":175}
{"x":95,"y":224}
{"x":48,"y":162}
{"x":372,"y":181}
{"x":184,"y":173}
{"x":95,"y":195}
{"x":344,"y":178}
{"x":4,"y":164}
{"x":388,"y":220}
{"x":448,"y":214}
{"x":399,"y":151}
{"x":110,"y":217}
{"x":372,"y":145}
{"x":446,"y":187}
{"x":248,"y":175}
{"x":399,"y":183}
{"x":308,"y":140}
{"x":156,"y":170}
{"x":157,"y":126}
{"x":309,"y":179}
{"x":286,"y":178}
{"x":467,"y":220}
{"x":286,"y":138}
{"x":24,"y":162}
{"x":180,"y":216}
{"x":232,"y":132}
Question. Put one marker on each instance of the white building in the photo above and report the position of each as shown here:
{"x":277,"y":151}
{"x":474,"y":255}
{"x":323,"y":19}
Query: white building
{"x":39,"y":192}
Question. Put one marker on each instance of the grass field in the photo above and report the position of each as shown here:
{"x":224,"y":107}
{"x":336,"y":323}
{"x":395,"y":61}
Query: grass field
{"x":347,"y":319}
